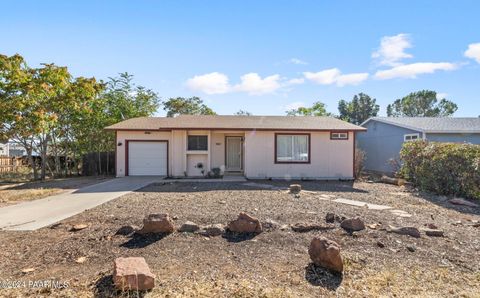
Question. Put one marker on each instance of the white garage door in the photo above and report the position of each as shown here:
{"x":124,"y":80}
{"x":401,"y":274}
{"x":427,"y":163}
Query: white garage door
{"x":147,"y":158}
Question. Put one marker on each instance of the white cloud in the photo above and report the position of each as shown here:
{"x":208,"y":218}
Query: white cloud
{"x":410,"y":71}
{"x":297,"y":61}
{"x":473,"y":52}
{"x":351,"y":79}
{"x":253,"y":84}
{"x":335,"y":76}
{"x":442,"y":95}
{"x":210,"y":83}
{"x":392,"y":49}
{"x":324,"y":77}
{"x":295,"y":81}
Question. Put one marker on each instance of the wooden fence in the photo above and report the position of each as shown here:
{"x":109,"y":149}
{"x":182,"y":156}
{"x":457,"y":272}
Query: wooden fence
{"x":10,"y":164}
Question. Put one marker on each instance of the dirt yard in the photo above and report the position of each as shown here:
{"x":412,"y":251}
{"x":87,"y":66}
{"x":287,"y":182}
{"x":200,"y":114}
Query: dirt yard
{"x":274,"y":263}
{"x":12,"y":193}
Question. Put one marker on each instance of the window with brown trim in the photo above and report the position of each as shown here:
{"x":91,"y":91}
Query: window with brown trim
{"x":292,"y":148}
{"x":339,"y":135}
{"x":197,"y":143}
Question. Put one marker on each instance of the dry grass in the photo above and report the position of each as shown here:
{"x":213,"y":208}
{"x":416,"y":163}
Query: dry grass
{"x":11,"y":193}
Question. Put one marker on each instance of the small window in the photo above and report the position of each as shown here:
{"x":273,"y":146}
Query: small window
{"x":292,"y":148}
{"x":411,"y":137}
{"x":339,"y":135}
{"x":197,"y":143}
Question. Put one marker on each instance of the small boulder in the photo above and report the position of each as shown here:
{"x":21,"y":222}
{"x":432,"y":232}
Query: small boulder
{"x":326,"y":253}
{"x":212,"y":230}
{"x":433,"y":232}
{"x":353,"y":224}
{"x":411,"y":248}
{"x":132,"y":273}
{"x":410,"y":231}
{"x":189,"y":227}
{"x":126,"y":230}
{"x":245,"y":224}
{"x":330,"y":217}
{"x":295,"y":188}
{"x":157,"y":223}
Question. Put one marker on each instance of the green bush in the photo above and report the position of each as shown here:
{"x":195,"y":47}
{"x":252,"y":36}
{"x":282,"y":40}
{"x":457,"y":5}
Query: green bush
{"x":442,"y":168}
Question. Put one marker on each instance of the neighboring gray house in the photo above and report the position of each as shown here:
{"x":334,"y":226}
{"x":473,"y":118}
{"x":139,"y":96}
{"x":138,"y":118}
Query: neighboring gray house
{"x":385,"y":136}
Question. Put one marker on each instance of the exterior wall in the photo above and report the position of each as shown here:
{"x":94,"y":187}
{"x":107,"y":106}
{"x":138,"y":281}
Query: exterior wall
{"x":381,"y":142}
{"x":123,"y":136}
{"x":330,"y":159}
{"x":454,"y":137}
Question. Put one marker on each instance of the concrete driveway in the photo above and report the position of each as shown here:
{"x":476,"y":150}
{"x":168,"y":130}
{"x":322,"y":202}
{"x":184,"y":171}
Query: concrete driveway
{"x":40,"y":213}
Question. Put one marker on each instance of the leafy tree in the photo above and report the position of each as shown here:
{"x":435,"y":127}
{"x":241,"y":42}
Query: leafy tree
{"x":421,"y":104}
{"x":186,"y":106}
{"x":359,"y":109}
{"x":243,"y":113}
{"x":317,"y":109}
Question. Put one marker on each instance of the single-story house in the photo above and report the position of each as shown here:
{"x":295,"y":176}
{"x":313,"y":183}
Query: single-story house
{"x":385,"y":136}
{"x":258,"y":147}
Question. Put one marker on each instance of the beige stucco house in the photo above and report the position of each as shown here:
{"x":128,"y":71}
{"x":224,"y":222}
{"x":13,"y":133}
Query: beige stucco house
{"x":257,"y":147}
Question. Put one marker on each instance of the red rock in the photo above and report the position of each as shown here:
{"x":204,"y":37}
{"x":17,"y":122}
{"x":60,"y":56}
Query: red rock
{"x":326,"y":253}
{"x":132,"y":273}
{"x":157,"y":223}
{"x":245,"y":224}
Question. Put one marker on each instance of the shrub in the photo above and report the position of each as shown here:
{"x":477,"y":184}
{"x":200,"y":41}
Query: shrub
{"x":215,"y":173}
{"x":443,"y":168}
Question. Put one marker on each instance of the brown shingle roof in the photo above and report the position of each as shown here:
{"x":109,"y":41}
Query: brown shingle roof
{"x":235,"y":122}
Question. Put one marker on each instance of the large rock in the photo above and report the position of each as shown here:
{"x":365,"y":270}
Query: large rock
{"x":189,"y":227}
{"x":157,"y":223}
{"x":353,"y":224}
{"x":132,"y":274}
{"x":245,"y":224}
{"x":326,"y":253}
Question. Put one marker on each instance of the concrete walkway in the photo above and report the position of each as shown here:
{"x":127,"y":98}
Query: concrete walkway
{"x":40,"y":213}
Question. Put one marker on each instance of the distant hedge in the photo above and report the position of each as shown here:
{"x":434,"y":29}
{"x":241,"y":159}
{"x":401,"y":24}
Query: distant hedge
{"x":443,"y":168}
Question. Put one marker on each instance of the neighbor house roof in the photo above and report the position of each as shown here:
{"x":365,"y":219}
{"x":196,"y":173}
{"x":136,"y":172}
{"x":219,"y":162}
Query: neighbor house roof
{"x":235,"y":122}
{"x":433,"y":124}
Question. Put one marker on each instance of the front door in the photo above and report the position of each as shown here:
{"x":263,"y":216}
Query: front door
{"x":233,"y":154}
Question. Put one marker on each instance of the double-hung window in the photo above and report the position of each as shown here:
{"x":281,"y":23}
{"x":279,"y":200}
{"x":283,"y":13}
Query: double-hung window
{"x":292,"y":148}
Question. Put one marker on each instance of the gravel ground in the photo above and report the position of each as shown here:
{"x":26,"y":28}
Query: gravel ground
{"x":274,"y":263}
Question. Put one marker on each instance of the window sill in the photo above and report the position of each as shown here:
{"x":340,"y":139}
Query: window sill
{"x":197,"y":152}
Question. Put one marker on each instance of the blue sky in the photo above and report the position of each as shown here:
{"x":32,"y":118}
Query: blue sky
{"x":259,"y":56}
